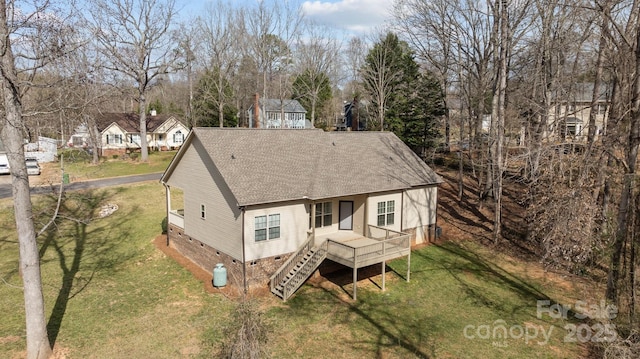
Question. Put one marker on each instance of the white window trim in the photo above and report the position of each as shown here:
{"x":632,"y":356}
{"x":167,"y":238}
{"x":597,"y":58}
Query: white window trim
{"x":268,"y":228}
{"x":386,"y":213}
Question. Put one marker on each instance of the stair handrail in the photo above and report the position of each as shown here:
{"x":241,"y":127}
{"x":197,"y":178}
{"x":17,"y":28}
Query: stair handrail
{"x":304,"y":272}
{"x":279,"y":274}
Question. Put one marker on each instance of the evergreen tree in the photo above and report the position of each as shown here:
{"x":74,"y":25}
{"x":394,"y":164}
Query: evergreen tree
{"x":409,"y":102}
{"x":313,"y":91}
{"x":206,"y":103}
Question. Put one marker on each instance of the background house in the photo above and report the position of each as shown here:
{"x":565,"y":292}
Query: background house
{"x":276,"y":113}
{"x":252,"y":199}
{"x":120,"y":133}
{"x":569,"y":117}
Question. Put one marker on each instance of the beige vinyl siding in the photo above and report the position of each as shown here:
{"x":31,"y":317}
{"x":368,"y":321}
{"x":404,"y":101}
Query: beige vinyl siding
{"x":202,"y":184}
{"x":372,"y":212}
{"x":419,"y":209}
{"x":294,"y":219}
{"x":358,"y":213}
{"x":113,"y":130}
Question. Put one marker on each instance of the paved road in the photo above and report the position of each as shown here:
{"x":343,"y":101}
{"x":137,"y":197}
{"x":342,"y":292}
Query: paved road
{"x":5,"y":189}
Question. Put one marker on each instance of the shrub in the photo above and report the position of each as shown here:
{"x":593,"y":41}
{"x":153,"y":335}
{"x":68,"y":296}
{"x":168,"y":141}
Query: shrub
{"x":247,"y":333}
{"x":74,"y":155}
{"x":164,"y":225}
{"x":133,"y":156}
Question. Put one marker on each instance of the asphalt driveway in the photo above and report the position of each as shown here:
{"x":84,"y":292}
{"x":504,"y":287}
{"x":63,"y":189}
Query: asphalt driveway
{"x":5,"y":183}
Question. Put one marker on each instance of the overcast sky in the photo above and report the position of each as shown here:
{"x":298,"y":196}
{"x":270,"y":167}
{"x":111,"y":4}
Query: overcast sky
{"x":355,"y":16}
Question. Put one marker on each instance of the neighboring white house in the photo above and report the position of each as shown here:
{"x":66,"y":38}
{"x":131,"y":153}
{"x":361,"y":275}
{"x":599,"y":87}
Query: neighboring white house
{"x":275,"y":113}
{"x":258,"y":200}
{"x":120,"y":133}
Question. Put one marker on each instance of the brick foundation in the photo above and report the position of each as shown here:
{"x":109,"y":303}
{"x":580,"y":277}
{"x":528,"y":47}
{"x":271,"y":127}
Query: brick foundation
{"x":205,"y":256}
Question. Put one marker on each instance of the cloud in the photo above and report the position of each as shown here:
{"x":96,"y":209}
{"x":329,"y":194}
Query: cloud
{"x":353,"y":15}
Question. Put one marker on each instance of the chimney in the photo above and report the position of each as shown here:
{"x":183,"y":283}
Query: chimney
{"x":256,"y":111}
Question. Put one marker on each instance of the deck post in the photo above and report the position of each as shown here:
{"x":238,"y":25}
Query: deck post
{"x":355,"y":281}
{"x":409,"y":265}
{"x":384,"y":264}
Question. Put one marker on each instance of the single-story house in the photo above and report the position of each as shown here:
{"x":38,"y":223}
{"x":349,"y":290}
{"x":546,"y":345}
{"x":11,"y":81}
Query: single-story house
{"x":265,"y":202}
{"x":276,"y":113}
{"x":120,"y":133}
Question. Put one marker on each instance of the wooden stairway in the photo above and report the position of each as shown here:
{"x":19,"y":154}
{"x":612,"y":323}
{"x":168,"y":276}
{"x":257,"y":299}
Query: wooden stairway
{"x":297,"y":269}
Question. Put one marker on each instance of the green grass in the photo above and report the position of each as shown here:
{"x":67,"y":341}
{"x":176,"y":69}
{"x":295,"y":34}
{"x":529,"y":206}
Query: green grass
{"x":111,"y":294}
{"x":81,"y":170}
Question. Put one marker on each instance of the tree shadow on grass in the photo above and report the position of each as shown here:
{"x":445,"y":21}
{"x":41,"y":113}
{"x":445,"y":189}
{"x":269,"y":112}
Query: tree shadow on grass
{"x":84,"y":243}
{"x":389,"y":330}
{"x":476,"y":276}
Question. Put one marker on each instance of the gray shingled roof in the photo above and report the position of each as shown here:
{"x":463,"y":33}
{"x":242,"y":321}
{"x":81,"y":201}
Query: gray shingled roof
{"x":264,"y":166}
{"x":273,"y":105}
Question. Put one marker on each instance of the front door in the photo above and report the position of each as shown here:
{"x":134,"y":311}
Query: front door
{"x":346,"y":215}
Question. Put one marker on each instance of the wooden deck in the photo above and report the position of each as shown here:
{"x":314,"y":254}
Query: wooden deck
{"x":361,"y":251}
{"x":345,"y":247}
{"x":357,"y":251}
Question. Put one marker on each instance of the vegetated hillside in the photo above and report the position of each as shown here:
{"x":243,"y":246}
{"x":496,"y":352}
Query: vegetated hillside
{"x":470,"y":218}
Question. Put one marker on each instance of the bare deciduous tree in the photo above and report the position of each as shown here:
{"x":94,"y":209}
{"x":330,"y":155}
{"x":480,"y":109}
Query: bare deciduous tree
{"x":34,"y":35}
{"x":135,"y":40}
{"x":221,"y":30}
{"x":316,"y":57}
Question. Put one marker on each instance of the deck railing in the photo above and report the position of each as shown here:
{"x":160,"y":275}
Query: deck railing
{"x":389,"y":244}
{"x":176,"y":218}
{"x":301,"y":275}
{"x":287,"y":266}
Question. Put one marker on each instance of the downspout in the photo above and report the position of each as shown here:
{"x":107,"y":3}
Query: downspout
{"x":167,"y":202}
{"x":244,"y":262}
{"x":312,"y":221}
{"x":435,"y":222}
{"x":402,"y":210}
{"x":365,"y":227}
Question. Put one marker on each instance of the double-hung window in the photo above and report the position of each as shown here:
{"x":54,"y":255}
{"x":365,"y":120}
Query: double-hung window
{"x":134,"y":138}
{"x":267,"y":227}
{"x":178,"y":137}
{"x":386,"y":213}
{"x":324,"y":215}
{"x":114,"y":139}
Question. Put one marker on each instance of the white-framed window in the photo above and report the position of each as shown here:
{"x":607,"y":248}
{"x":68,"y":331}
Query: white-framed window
{"x":114,"y":139}
{"x":178,"y":137}
{"x":323,"y":215}
{"x":203,"y":211}
{"x":267,"y":227}
{"x":134,"y":138}
{"x":386,"y":213}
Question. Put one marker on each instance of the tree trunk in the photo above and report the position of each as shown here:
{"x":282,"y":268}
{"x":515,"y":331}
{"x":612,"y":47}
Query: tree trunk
{"x":38,"y":345}
{"x":498,"y":117}
{"x":595,"y":96}
{"x":144,"y":145}
{"x":629,"y":183}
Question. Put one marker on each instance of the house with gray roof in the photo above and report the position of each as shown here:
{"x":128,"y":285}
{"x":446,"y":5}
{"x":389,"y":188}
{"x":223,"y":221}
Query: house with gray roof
{"x":277,"y":113}
{"x":119,"y":133}
{"x":572,"y":107}
{"x":272,"y":205}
